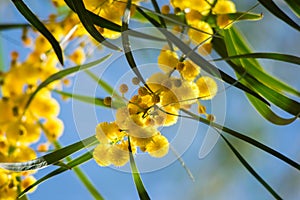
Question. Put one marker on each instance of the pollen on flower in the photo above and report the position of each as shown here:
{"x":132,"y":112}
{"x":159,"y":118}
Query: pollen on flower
{"x":158,"y":147}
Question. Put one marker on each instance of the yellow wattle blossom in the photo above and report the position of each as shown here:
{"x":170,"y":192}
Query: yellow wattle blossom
{"x":158,"y":146}
{"x":221,"y":9}
{"x":26,"y":182}
{"x":208,"y":87}
{"x":167,"y":60}
{"x":54,"y":128}
{"x":203,"y":37}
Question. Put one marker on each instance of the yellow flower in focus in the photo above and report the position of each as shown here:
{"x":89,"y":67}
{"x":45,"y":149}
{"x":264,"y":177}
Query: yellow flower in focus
{"x":102,"y":154}
{"x":108,"y":132}
{"x":167,"y":60}
{"x":198,"y":37}
{"x":54,"y":127}
{"x":25,"y":183}
{"x":208,"y":87}
{"x":187,"y":93}
{"x":120,"y":154}
{"x":190,"y":70}
{"x":224,"y":7}
{"x":202,"y":6}
{"x":158,"y":147}
{"x":44,"y":107}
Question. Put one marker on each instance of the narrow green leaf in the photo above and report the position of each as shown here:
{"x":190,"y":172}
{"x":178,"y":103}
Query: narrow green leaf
{"x":104,"y":85}
{"x":50,"y":158}
{"x":295,"y":6}
{"x":88,"y":23}
{"x":264,"y":55}
{"x":258,"y":80}
{"x":136,"y":176}
{"x":252,"y":66}
{"x":199,"y":60}
{"x":244,"y":138}
{"x":59,"y":75}
{"x":26,"y":12}
{"x":275,"y":10}
{"x":86,"y":99}
{"x":238,"y":16}
{"x":12,"y":26}
{"x":78,"y":161}
{"x":127,"y":46}
{"x":250,"y":169}
{"x":268,"y":114}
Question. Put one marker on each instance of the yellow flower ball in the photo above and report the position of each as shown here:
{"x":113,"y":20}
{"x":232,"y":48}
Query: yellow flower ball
{"x":167,"y":60}
{"x":224,"y":7}
{"x":25,"y":183}
{"x":190,"y":70}
{"x":102,"y":154}
{"x":44,"y":107}
{"x":54,"y":128}
{"x":120,"y":154}
{"x":108,"y":132}
{"x":208,"y":87}
{"x":78,"y":56}
{"x":158,"y":147}
{"x":203,"y":37}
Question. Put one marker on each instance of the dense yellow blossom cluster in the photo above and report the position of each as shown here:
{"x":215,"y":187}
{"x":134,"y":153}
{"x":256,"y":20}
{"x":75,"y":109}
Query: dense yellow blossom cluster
{"x":157,"y":104}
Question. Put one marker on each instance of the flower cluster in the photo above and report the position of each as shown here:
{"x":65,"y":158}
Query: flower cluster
{"x":157,"y":104}
{"x":203,"y":16}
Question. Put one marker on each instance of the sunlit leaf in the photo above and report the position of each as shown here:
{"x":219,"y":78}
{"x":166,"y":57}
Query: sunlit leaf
{"x":50,"y":158}
{"x":238,"y":16}
{"x":78,"y":161}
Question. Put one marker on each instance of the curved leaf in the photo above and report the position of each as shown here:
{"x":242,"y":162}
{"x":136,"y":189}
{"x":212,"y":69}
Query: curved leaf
{"x":275,"y":10}
{"x":61,"y":74}
{"x":78,"y":161}
{"x":26,"y":12}
{"x":127,"y":46}
{"x":250,"y":169}
{"x":50,"y":158}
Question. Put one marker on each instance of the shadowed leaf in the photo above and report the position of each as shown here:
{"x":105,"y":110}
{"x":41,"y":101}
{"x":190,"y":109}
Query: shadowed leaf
{"x":26,"y":12}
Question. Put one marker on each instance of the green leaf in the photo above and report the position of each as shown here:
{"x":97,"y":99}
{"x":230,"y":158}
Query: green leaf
{"x":104,"y":85}
{"x":199,"y":60}
{"x":243,"y":137}
{"x":78,"y":161}
{"x":12,"y":26}
{"x":59,"y":75}
{"x":252,"y":66}
{"x":238,"y":16}
{"x":265,"y":55}
{"x":136,"y":176}
{"x":50,"y":158}
{"x":258,"y":80}
{"x":88,"y":23}
{"x":250,"y":169}
{"x":86,"y":99}
{"x":295,"y":6}
{"x":127,"y":46}
{"x":268,"y":114}
{"x":275,"y":10}
{"x":26,"y":12}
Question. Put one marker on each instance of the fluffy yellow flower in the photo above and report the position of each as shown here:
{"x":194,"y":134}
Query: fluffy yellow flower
{"x":102,"y":154}
{"x":108,"y":132}
{"x":208,"y":87}
{"x":198,"y":37}
{"x":167,"y":60}
{"x":190,"y":70}
{"x":54,"y":127}
{"x":158,"y":147}
{"x":26,"y":182}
